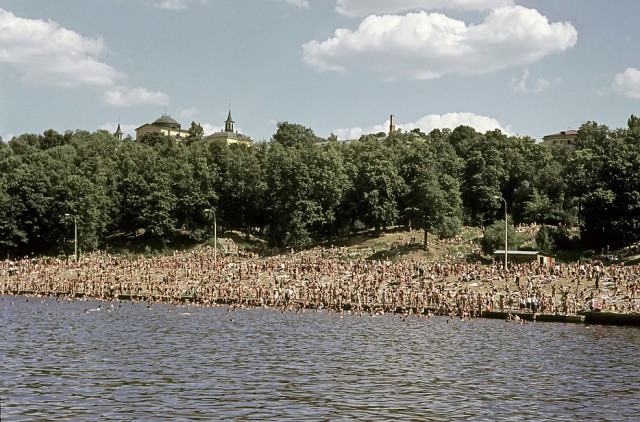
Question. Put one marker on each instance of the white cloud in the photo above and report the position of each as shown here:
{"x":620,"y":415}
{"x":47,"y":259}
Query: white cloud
{"x":174,"y":4}
{"x":429,"y":45}
{"x":520,"y":86}
{"x":627,"y":83}
{"x":47,"y":54}
{"x":361,"y":8}
{"x":44,"y":52}
{"x":353,"y":132}
{"x":299,"y":3}
{"x":125,"y":97}
{"x":210,"y":129}
{"x":428,"y":123}
{"x":452,"y":121}
{"x":543,"y":84}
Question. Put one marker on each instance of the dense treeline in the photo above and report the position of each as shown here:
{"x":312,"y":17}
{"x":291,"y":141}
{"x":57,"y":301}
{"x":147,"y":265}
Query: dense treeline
{"x":298,"y":187}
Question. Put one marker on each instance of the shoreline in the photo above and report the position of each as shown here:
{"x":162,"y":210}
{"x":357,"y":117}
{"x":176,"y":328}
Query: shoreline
{"x":327,"y":278}
{"x":584,"y":317}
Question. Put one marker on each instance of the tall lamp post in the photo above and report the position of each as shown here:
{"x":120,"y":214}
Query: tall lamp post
{"x":506,"y":230}
{"x":75,"y":236}
{"x":215,"y":235}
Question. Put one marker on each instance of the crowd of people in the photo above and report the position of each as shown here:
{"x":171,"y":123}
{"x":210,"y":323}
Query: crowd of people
{"x":328,"y":278}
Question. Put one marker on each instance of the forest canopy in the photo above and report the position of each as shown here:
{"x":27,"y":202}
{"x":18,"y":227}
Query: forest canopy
{"x":298,"y":188}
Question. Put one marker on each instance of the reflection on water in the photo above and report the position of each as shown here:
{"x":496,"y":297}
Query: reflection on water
{"x":65,"y":361}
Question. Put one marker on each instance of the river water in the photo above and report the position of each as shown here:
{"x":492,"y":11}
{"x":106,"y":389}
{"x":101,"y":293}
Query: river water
{"x":71,"y":361}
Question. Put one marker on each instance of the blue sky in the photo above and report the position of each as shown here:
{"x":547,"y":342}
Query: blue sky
{"x":530,"y":68}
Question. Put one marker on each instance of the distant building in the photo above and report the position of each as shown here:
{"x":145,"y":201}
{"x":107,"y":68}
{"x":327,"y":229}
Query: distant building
{"x":119,"y":134}
{"x":229,"y":135}
{"x":565,"y":139}
{"x":170,"y":127}
{"x":520,"y":257}
{"x":164,"y":125}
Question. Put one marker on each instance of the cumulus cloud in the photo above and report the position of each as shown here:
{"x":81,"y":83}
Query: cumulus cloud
{"x":174,"y":4}
{"x":361,"y":8}
{"x":352,"y":132}
{"x":125,"y":97}
{"x":429,"y":45}
{"x":428,"y":123}
{"x":45,"y":52}
{"x":627,"y":83}
{"x":452,"y":121}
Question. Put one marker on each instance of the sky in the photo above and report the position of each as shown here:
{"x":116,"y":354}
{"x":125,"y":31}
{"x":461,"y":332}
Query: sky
{"x":528,"y":68}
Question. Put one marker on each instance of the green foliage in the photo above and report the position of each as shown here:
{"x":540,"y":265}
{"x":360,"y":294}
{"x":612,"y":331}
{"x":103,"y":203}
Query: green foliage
{"x":602,"y":178}
{"x":196,"y":131}
{"x":433,"y":198}
{"x":293,"y":134}
{"x":494,"y":236}
{"x":551,"y":239}
{"x":300,"y":188}
{"x":305,"y":185}
{"x":376,"y":183}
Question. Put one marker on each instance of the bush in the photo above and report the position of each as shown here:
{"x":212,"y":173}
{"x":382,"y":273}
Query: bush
{"x":449,"y":227}
{"x":494,"y":237}
{"x":550,"y":238}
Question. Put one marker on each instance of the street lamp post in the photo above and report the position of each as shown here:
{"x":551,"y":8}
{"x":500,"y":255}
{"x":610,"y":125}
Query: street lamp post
{"x":215,"y":235}
{"x":75,"y":236}
{"x":506,"y":230}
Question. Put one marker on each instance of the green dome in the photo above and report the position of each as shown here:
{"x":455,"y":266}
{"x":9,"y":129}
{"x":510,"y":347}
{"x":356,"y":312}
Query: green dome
{"x":166,"y":121}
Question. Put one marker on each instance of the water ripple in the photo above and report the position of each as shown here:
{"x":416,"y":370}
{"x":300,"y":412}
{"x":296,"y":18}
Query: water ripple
{"x":127,"y":362}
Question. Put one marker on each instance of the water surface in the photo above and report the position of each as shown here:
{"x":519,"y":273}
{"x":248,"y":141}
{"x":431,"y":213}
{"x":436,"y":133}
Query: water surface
{"x":62,"y":361}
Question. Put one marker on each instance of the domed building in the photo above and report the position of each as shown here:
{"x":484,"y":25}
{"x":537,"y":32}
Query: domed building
{"x":165,"y":125}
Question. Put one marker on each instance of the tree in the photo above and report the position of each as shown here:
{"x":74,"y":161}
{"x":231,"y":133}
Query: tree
{"x":289,"y":196}
{"x":293,"y":134}
{"x":11,"y":234}
{"x":30,"y":189}
{"x":463,"y":139}
{"x":551,"y":238}
{"x":196,"y":132}
{"x":480,"y":184}
{"x":377,"y":186}
{"x":145,"y":190}
{"x":602,"y":178}
{"x":243,"y":188}
{"x":306,"y":182}
{"x":433,"y":198}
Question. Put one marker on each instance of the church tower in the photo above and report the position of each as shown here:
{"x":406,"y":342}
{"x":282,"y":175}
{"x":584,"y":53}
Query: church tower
{"x":228,"y":124}
{"x":118,"y":133}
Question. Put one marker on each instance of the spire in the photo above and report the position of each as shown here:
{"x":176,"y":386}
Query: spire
{"x":228,"y":124}
{"x":118,"y":133}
